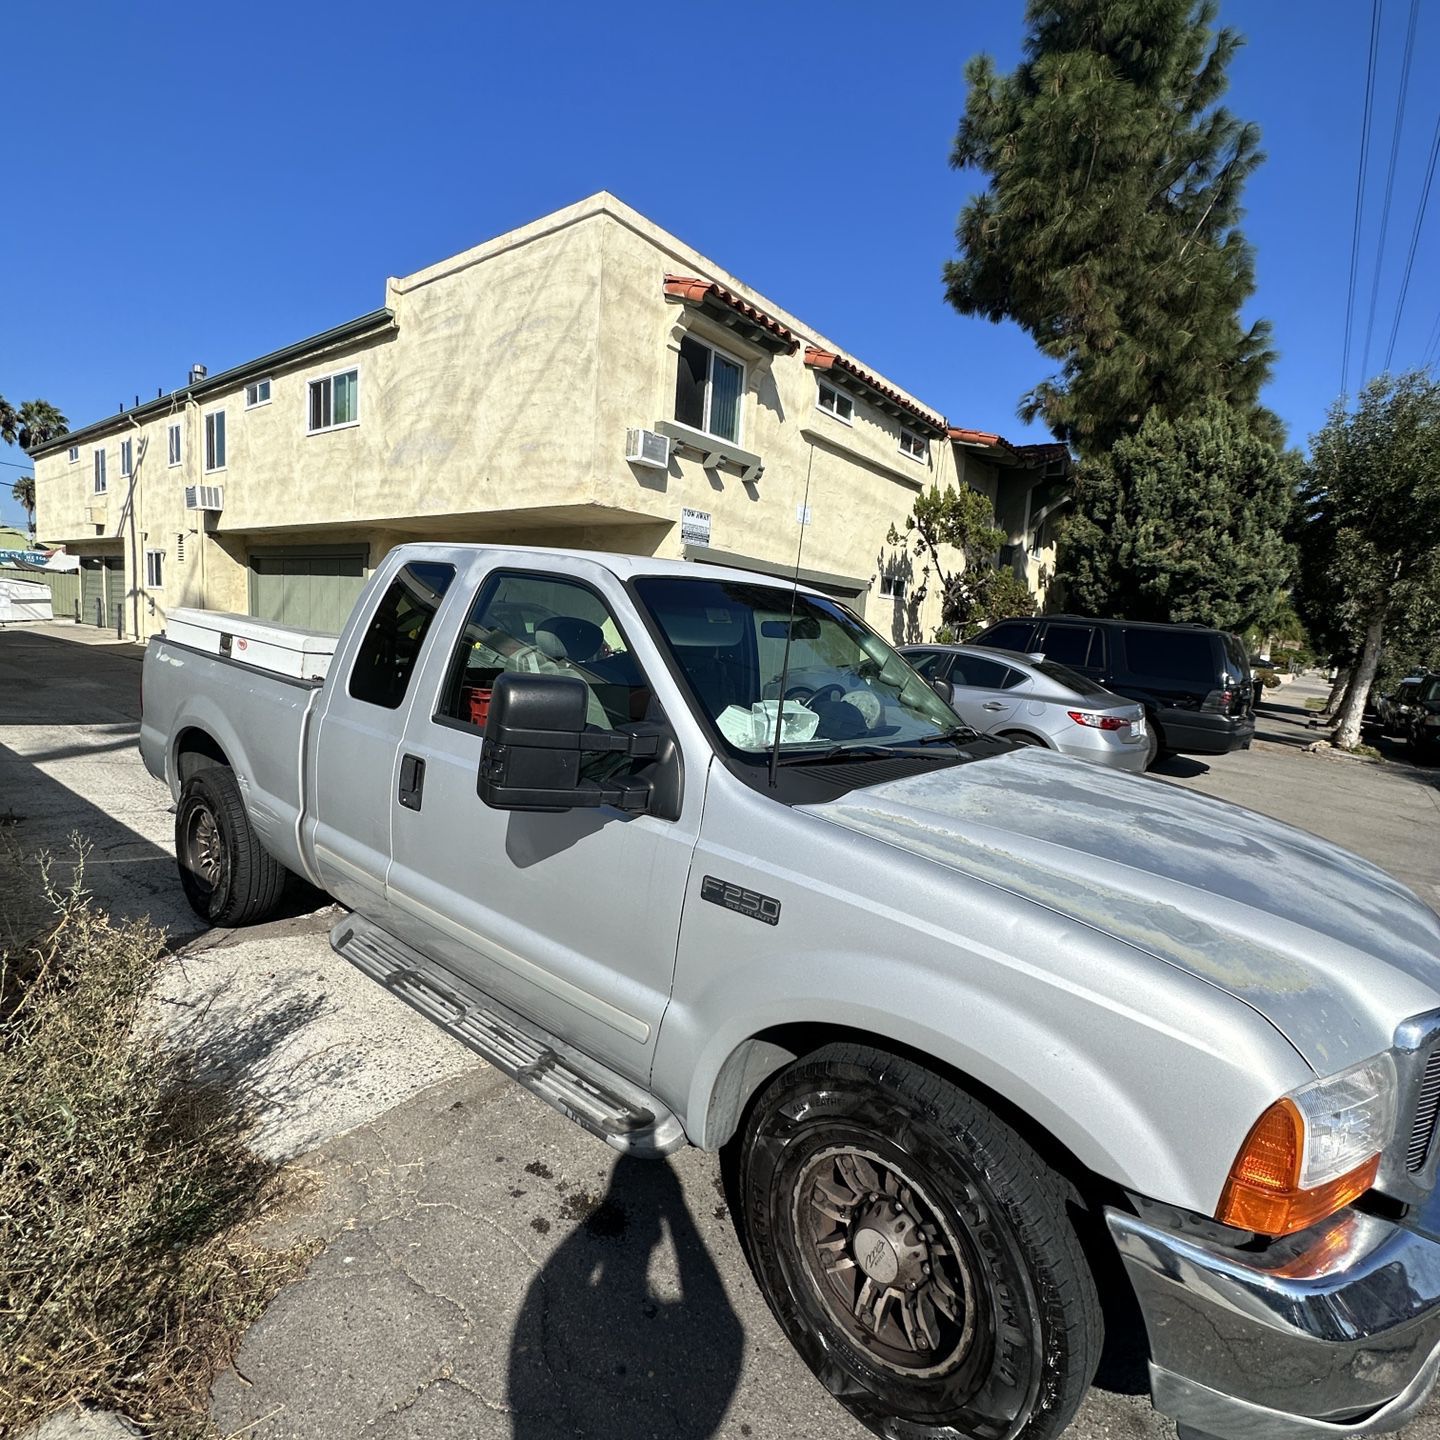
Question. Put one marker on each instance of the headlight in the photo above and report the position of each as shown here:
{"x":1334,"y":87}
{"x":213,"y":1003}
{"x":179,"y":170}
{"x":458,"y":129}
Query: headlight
{"x":1313,"y":1151}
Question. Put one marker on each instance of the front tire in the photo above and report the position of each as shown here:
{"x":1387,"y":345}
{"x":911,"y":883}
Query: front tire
{"x":917,"y":1251}
{"x":228,"y":876}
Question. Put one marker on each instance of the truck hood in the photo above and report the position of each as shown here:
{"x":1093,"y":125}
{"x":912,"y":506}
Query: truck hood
{"x":1328,"y":947}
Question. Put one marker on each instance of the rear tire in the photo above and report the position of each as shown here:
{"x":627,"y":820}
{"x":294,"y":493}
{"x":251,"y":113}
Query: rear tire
{"x":228,"y":876}
{"x":1153,"y":748}
{"x":917,"y":1251}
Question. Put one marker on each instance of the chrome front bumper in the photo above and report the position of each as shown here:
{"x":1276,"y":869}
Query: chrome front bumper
{"x":1334,"y":1333}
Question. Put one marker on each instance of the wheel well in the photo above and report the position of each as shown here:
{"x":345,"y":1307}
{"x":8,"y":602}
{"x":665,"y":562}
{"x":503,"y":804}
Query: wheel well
{"x":197,"y":750}
{"x":1026,"y":734}
{"x":752,"y":1063}
{"x":742,"y":1079}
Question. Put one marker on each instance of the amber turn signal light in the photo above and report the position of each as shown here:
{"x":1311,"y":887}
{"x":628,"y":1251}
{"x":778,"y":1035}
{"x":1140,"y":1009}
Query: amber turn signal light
{"x":1263,"y":1192}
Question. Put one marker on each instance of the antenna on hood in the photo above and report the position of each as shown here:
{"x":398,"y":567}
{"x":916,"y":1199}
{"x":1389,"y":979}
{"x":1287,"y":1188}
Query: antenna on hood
{"x":803,"y":520}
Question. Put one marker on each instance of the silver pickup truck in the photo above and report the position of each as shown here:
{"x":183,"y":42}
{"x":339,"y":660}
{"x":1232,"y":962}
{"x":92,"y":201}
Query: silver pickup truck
{"x":997,"y":1047}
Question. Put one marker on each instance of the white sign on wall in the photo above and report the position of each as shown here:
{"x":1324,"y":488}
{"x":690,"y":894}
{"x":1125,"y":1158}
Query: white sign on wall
{"x":694,"y":527}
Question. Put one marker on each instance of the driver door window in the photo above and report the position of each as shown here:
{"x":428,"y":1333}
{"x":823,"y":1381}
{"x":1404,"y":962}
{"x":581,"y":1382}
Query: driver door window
{"x":538,"y":625}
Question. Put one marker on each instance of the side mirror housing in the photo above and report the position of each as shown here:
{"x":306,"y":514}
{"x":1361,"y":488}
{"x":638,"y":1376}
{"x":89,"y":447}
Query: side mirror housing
{"x":535,"y":738}
{"x":944,"y":689}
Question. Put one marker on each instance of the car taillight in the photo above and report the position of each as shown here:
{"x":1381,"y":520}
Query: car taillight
{"x":1218,"y":700}
{"x":1098,"y":722}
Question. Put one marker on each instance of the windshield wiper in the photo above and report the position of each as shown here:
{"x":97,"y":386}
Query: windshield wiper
{"x":954,"y":733}
{"x":841,"y":752}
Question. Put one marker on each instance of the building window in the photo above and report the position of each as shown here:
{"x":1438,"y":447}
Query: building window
{"x":74,"y":454}
{"x":832,"y":402}
{"x":127,"y":458}
{"x":257,"y":392}
{"x":154,"y":569}
{"x":917,"y":447}
{"x":174,"y":444}
{"x":100,"y":480}
{"x":708,"y":387}
{"x":335,"y":401}
{"x":893,"y":586}
{"x":215,"y":440}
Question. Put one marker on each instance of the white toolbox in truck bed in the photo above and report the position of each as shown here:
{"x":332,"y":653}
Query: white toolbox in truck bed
{"x":265,"y":644}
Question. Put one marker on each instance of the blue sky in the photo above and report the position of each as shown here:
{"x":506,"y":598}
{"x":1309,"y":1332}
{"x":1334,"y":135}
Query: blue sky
{"x":207,"y":183}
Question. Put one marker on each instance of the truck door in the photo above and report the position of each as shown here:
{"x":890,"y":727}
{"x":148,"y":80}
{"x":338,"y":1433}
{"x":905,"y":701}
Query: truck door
{"x":357,"y":750}
{"x":570,"y":918}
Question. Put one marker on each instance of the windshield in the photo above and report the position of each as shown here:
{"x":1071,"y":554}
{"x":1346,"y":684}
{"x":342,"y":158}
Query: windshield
{"x":845,"y":688}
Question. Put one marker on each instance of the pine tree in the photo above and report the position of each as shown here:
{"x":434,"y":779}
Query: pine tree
{"x":1183,"y":521}
{"x":1109,"y":229}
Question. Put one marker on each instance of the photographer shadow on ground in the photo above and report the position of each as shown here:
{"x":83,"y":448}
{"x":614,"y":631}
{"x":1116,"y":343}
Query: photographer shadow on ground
{"x":627,"y":1330}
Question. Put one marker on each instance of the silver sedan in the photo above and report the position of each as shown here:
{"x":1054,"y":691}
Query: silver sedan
{"x":1033,"y":701}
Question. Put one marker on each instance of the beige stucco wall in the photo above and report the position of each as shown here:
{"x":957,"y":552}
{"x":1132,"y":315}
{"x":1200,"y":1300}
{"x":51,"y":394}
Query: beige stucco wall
{"x":496,"y":409}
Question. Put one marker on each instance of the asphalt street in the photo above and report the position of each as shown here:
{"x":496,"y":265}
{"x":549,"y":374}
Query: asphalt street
{"x":491,"y":1270}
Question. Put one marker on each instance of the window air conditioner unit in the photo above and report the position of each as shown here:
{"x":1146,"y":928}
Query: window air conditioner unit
{"x":95,"y":514}
{"x":647,"y":447}
{"x":204,"y":497}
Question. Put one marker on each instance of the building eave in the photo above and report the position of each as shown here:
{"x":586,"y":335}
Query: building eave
{"x":849,"y":376}
{"x":375,"y":322}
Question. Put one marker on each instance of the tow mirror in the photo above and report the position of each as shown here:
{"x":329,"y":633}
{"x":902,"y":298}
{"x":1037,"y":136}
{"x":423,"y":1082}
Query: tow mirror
{"x":535,"y":738}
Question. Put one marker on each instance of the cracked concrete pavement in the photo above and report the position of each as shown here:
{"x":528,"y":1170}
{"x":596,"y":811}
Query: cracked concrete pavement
{"x":490,"y":1269}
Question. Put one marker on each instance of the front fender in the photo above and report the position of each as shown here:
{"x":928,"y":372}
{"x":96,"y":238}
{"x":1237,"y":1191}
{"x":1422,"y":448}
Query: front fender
{"x":1149,"y":1076}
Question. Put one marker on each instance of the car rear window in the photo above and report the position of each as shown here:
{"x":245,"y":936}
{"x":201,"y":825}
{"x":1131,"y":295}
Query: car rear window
{"x":1073,"y":680}
{"x":1008,"y":635}
{"x":1172,"y":655}
{"x":983,"y":674}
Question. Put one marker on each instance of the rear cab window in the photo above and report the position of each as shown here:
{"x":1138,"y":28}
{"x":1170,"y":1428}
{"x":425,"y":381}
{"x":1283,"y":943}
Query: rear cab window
{"x":396,"y":634}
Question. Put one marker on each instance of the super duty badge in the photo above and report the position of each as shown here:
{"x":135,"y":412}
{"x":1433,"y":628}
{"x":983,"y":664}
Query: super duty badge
{"x":742,"y":901}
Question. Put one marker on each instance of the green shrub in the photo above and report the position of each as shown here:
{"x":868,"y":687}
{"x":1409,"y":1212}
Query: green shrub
{"x":125,"y":1176}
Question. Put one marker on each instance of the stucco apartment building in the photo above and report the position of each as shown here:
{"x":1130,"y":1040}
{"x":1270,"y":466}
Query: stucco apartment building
{"x":587,"y":380}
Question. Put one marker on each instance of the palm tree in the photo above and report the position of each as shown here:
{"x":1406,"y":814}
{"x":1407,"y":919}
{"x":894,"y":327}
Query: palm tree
{"x":35,"y":422}
{"x":23,"y":493}
{"x":38,"y":421}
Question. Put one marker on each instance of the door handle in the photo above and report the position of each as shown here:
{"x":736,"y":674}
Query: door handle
{"x":993,"y":705}
{"x":412,"y":781}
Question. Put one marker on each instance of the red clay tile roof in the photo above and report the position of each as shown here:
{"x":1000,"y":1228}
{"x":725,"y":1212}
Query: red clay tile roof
{"x":1040,"y":454}
{"x":691,"y":291}
{"x":818,"y":359}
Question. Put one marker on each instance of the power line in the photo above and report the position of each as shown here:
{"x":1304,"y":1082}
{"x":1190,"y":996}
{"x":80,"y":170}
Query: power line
{"x":1409,"y":54}
{"x":1360,"y":188}
{"x":1414,"y":240}
{"x":17,"y":465}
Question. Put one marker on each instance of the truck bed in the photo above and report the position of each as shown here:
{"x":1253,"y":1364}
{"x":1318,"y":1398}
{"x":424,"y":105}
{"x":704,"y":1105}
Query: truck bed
{"x":253,"y":688}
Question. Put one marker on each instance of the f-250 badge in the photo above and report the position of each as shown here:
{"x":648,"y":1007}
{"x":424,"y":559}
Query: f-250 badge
{"x":740,"y":900}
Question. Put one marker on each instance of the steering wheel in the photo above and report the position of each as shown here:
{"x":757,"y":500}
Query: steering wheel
{"x":804,"y":694}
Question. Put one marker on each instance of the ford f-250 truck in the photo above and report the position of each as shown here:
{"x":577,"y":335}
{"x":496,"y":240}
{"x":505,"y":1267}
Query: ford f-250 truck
{"x":995,"y":1045}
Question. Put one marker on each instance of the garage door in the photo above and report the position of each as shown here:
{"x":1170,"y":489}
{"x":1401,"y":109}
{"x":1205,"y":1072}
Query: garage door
{"x":117,"y":592}
{"x":92,"y":590}
{"x":314,"y":589}
{"x":104,"y":588}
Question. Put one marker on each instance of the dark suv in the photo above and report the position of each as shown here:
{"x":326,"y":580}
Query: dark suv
{"x":1194,"y":683}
